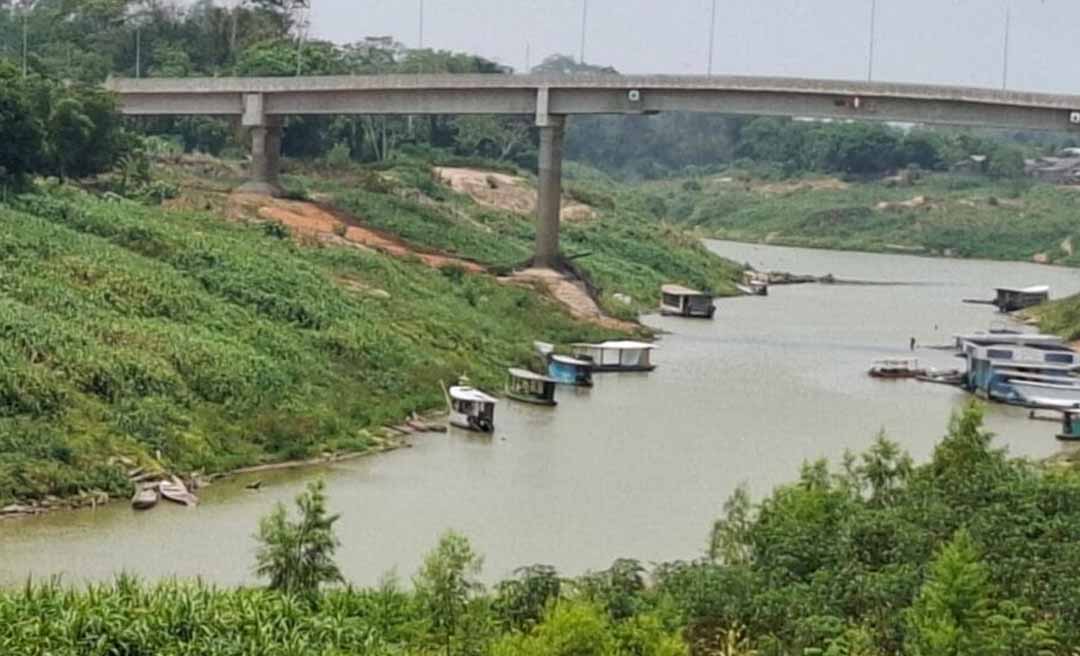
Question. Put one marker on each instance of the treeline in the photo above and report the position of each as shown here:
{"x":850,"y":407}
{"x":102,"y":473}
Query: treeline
{"x":88,"y":41}
{"x":971,"y":554}
{"x":55,"y":129}
{"x":677,"y":144}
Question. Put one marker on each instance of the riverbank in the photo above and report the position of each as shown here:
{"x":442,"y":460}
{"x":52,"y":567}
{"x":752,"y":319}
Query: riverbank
{"x":198,"y":337}
{"x":937,"y":214}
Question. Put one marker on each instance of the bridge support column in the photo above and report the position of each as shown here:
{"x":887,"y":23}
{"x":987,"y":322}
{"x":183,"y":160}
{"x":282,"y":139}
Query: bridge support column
{"x":265,"y":160}
{"x":549,"y":200}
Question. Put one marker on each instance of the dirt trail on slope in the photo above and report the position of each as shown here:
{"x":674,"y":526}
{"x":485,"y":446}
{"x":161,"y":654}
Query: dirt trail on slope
{"x":571,"y":294}
{"x":506,"y":192}
{"x":309,"y":221}
{"x":322,"y":223}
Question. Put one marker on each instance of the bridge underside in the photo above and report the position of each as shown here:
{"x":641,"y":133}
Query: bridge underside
{"x":261,"y":103}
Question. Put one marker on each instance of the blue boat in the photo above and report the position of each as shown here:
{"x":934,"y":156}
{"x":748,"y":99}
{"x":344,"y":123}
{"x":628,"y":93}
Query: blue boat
{"x":570,"y":371}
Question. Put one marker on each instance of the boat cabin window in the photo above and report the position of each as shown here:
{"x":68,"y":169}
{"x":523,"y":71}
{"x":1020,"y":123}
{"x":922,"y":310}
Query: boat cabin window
{"x":672,"y":300}
{"x":526,"y":386}
{"x":1060,"y":358}
{"x":999,"y":354}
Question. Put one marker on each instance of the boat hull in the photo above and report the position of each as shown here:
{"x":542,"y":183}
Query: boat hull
{"x":614,"y":368}
{"x":532,"y":400}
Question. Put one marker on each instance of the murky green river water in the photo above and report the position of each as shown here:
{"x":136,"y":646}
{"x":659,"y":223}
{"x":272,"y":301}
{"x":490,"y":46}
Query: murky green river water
{"x":639,"y":466}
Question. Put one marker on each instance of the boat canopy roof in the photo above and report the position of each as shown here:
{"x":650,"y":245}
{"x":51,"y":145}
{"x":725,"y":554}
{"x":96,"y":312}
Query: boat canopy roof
{"x":566,"y":359}
{"x":679,"y":290}
{"x":1037,"y":289}
{"x":1027,"y":375}
{"x":1010,"y":338}
{"x":525,"y":374}
{"x":619,"y":346}
{"x":897,"y":362}
{"x":471,"y":394}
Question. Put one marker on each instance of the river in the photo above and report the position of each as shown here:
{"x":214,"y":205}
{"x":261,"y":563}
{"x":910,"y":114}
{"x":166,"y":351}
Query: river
{"x":639,"y":466}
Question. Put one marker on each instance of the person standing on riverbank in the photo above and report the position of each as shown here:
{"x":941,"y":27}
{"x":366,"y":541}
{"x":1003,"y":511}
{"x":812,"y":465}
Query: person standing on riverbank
{"x":912,"y":344}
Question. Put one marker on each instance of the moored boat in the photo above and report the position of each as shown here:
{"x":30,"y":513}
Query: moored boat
{"x":529,"y":387}
{"x":472,"y":409}
{"x":896,"y":368}
{"x":679,"y":301}
{"x":570,"y":371}
{"x":145,"y":498}
{"x":617,"y":356}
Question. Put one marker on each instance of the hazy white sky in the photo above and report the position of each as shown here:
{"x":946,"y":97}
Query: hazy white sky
{"x":936,"y":41}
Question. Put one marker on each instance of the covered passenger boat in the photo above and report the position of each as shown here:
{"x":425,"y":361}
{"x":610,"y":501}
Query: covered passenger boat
{"x":1011,"y":299}
{"x":679,"y":301}
{"x":570,"y":371}
{"x":1043,"y":376}
{"x":471,"y":409}
{"x":617,"y":356}
{"x":529,"y":387}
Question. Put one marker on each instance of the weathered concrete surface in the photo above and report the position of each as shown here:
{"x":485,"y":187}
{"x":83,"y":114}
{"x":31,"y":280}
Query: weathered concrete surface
{"x":265,"y":162}
{"x":549,"y":190}
{"x":602,"y":94}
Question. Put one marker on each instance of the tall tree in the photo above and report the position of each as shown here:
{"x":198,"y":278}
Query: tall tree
{"x":298,"y":556}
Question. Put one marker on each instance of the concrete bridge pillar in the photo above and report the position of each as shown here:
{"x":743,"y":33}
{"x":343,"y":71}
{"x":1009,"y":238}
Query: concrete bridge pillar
{"x":266,"y":132}
{"x":549,"y":200}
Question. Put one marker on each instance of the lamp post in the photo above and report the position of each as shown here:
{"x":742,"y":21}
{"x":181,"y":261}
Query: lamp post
{"x":584,"y":29}
{"x":1005,"y":47}
{"x":870,"y":51}
{"x":712,"y":36}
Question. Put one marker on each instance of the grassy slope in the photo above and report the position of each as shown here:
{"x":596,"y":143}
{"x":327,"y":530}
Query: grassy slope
{"x":971,"y":217}
{"x":629,"y":251}
{"x":127,"y":331}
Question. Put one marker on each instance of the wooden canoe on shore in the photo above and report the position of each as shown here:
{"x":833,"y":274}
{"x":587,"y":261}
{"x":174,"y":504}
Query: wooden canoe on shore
{"x":177,"y":492}
{"x":145,"y":498}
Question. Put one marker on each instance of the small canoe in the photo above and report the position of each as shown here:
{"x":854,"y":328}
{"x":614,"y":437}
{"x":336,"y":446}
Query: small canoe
{"x":145,"y":498}
{"x":177,"y":492}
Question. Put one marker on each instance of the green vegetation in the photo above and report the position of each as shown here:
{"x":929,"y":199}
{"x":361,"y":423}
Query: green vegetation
{"x":298,"y":557}
{"x":969,"y":554}
{"x":938,"y":214}
{"x":624,"y":249}
{"x":184,"y":341}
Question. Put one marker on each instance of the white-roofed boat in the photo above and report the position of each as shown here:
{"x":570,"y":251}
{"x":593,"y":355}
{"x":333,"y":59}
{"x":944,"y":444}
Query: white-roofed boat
{"x":617,"y":355}
{"x":472,"y":409}
{"x":570,"y":371}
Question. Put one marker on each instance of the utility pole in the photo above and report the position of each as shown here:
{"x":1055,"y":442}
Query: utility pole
{"x":584,"y":29}
{"x":1005,"y":47}
{"x":25,"y":41}
{"x":528,"y":57}
{"x":138,"y":50}
{"x":712,"y":36}
{"x":870,"y":52}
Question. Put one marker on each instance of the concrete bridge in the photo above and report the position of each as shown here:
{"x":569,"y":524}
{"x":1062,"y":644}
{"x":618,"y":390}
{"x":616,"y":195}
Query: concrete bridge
{"x":261,"y":103}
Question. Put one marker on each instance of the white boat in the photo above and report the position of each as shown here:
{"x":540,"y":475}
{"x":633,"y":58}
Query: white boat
{"x":617,"y":356}
{"x":472,"y":409}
